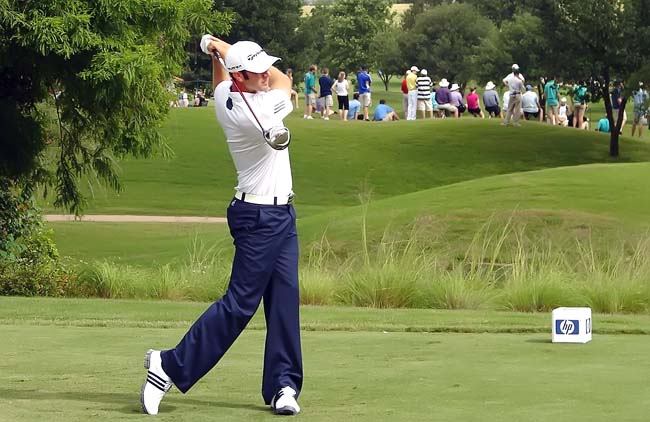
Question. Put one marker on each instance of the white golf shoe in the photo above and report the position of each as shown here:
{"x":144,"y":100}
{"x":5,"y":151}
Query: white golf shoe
{"x":156,"y":385}
{"x":284,"y":402}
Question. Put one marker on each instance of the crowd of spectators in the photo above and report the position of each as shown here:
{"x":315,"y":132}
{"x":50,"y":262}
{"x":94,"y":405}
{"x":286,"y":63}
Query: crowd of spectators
{"x":445,"y":99}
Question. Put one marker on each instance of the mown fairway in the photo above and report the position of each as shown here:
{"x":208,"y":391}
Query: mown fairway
{"x":75,"y":360}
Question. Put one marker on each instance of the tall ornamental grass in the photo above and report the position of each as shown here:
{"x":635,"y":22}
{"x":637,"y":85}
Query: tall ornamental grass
{"x":503,"y":267}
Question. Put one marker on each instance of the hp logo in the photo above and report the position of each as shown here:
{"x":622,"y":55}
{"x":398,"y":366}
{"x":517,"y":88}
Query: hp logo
{"x":567,"y":326}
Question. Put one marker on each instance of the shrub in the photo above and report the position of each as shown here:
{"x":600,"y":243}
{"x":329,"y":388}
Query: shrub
{"x":35,"y":270}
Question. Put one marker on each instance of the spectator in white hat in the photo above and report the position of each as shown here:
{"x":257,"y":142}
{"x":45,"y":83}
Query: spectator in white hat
{"x":563,"y":113}
{"x":456,"y":99}
{"x":443,"y":98}
{"x":412,"y":85}
{"x":491,"y":100}
{"x":424,"y":94}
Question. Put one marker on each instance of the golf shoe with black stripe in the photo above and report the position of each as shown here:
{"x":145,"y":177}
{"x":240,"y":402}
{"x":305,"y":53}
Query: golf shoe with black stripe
{"x":156,"y":385}
{"x":284,"y":402}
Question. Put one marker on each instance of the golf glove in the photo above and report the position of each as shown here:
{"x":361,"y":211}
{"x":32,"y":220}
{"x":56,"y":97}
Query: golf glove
{"x":205,"y":41}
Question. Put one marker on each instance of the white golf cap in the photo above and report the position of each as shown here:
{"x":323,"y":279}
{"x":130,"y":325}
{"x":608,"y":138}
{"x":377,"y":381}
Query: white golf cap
{"x":424,"y":72}
{"x":414,"y":69}
{"x":454,"y":87}
{"x":444,"y":83}
{"x":247,"y":55}
{"x":490,"y":85}
{"x":515,"y":66}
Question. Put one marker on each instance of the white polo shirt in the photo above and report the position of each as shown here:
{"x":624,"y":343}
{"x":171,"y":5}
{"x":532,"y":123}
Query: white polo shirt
{"x":515,"y":84}
{"x":261,"y":170}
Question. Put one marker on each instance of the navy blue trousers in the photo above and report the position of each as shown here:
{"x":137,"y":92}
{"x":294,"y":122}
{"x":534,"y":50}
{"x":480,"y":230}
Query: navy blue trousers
{"x":265,"y":267}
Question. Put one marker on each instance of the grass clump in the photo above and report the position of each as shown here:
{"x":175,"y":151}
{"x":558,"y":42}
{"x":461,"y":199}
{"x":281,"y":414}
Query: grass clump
{"x":202,"y":276}
{"x":504,"y":267}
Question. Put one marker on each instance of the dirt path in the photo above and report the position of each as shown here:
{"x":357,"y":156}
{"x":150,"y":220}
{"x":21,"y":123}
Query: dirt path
{"x":135,"y":219}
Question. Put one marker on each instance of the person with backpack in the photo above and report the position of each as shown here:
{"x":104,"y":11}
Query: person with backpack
{"x":310,"y":92}
{"x":579,"y":104}
{"x":552,"y":101}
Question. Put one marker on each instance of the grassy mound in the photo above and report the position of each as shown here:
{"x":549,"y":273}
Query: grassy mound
{"x":333,"y":161}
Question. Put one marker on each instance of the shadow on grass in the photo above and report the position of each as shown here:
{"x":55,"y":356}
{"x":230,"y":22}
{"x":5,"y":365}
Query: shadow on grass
{"x":130,"y":402}
{"x":539,"y":340}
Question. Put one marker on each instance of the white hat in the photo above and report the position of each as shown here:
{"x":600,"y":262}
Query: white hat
{"x":490,"y":85}
{"x":247,"y":55}
{"x":454,"y":87}
{"x":563,"y":99}
{"x":414,"y":69}
{"x":515,"y":66}
{"x":444,"y":83}
{"x":424,"y":72}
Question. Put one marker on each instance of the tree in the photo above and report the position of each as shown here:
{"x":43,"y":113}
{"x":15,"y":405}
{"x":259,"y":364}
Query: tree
{"x":83,"y":83}
{"x":446,"y":39}
{"x":503,"y":11}
{"x":604,"y":42}
{"x":523,"y":39}
{"x":307,"y":45}
{"x":198,"y":66}
{"x":270,"y":23}
{"x":385,"y":49}
{"x":351,"y":30}
{"x":417,"y":8}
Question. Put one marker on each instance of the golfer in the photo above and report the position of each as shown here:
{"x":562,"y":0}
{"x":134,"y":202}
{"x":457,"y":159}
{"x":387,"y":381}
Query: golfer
{"x":262,"y":222}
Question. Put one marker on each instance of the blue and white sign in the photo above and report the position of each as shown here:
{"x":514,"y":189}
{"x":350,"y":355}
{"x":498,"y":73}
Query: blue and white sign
{"x":571,"y":325}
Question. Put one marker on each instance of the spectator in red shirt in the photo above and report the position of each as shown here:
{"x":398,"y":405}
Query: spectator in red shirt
{"x":473,"y":106}
{"x":405,"y":94}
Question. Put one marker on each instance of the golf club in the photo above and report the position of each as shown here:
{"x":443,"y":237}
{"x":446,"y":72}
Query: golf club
{"x":277,"y":137}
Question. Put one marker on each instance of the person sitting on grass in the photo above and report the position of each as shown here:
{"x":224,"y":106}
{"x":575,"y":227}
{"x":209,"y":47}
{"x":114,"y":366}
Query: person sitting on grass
{"x":355,"y":108}
{"x":603,"y":125}
{"x":583,"y":126}
{"x":473,"y":104}
{"x":384,"y":113}
{"x":530,"y":105}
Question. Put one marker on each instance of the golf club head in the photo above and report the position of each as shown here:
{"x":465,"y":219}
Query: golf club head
{"x":278,"y":137}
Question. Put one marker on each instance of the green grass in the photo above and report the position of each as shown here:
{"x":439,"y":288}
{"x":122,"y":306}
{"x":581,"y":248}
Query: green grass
{"x":603,"y":200}
{"x":577,"y":199}
{"x":378,"y":372}
{"x":332,"y":160}
{"x":144,"y":244}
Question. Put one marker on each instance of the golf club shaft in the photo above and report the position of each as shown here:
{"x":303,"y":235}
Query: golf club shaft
{"x":216,"y":54}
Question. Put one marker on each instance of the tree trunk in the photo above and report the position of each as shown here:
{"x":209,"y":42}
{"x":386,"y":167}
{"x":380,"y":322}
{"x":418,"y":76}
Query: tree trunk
{"x":386,"y":79}
{"x":614,"y":127}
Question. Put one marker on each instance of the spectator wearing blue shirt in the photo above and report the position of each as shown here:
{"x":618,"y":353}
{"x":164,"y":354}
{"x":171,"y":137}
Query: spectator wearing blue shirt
{"x":384,"y":113}
{"x":640,"y":98}
{"x":326,"y":83}
{"x":364,"y":81}
{"x":603,"y":125}
{"x":355,"y":108}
